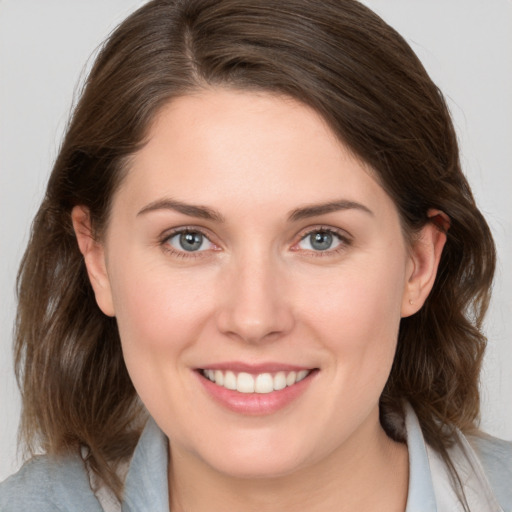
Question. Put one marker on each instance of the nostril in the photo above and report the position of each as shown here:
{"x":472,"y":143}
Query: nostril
{"x":253,"y":328}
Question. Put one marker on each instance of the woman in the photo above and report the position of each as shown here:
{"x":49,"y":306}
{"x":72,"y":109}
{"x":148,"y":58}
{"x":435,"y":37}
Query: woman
{"x":258,"y":249}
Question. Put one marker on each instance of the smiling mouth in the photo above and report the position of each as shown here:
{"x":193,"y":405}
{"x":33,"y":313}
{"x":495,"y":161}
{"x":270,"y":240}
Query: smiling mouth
{"x":261,"y":383}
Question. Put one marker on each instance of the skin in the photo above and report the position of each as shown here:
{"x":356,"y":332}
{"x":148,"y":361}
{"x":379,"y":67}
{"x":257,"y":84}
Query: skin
{"x":257,"y":292}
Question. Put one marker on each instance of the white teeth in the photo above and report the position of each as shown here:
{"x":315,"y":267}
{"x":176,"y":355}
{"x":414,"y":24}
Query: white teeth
{"x":264,"y":383}
{"x":219,"y":377}
{"x":245,"y":383}
{"x":261,"y":383}
{"x":302,"y":375}
{"x":291,"y":378}
{"x":280,"y":380}
{"x":229,"y":380}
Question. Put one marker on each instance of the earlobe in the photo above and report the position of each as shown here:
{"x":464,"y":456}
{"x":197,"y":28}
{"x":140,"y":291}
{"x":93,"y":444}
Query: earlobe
{"x":425,"y":255}
{"x":94,"y":257}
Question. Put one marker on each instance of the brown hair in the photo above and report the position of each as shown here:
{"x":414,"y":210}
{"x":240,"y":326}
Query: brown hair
{"x":336,"y":56}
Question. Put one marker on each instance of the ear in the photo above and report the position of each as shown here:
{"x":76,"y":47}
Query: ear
{"x":425,"y":255}
{"x":94,"y":257}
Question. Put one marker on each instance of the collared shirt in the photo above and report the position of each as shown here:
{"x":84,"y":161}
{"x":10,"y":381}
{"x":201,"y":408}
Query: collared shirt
{"x":431,"y":487}
{"x":46,"y":484}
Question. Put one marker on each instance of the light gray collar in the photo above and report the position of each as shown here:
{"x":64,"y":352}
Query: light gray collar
{"x":431,"y":488}
{"x":146,"y":487}
{"x":430,"y":485}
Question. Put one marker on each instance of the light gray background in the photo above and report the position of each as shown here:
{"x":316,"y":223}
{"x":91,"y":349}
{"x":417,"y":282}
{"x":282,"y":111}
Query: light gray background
{"x":465,"y":45}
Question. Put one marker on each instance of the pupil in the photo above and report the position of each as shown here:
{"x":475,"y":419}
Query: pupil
{"x":321,"y":241}
{"x":191,"y":241}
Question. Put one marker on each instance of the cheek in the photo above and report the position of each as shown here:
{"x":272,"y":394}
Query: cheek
{"x":358,"y":315}
{"x":159,"y":314}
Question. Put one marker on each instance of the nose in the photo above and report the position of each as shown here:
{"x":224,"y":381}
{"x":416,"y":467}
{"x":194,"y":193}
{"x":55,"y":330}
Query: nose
{"x":255,"y":307}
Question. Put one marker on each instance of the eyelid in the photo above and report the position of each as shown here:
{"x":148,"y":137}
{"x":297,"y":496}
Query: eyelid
{"x":170,"y":233}
{"x":343,"y":235}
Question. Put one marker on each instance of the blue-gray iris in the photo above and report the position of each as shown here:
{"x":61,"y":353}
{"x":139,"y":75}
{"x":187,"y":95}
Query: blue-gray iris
{"x":191,"y":241}
{"x":321,"y":240}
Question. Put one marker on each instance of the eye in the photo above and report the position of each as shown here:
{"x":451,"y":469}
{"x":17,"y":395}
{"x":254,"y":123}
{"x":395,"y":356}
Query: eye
{"x":189,"y":241}
{"x":321,"y":240}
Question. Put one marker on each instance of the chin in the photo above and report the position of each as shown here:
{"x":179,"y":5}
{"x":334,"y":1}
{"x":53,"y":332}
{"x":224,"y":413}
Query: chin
{"x":255,"y":457}
{"x":258,"y":468}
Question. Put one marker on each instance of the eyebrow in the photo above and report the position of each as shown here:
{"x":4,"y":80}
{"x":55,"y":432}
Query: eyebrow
{"x":323,"y":208}
{"x":201,"y":212}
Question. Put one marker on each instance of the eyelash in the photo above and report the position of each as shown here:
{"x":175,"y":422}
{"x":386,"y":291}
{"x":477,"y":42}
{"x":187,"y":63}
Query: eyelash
{"x":345,"y":241}
{"x":342,"y":236}
{"x":164,"y":242}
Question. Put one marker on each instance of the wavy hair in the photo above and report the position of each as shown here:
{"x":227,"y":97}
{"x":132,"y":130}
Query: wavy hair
{"x":357,"y":72}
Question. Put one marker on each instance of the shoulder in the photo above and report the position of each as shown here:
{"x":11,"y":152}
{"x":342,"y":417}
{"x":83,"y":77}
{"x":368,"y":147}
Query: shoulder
{"x":495,"y":455}
{"x":47,"y":484}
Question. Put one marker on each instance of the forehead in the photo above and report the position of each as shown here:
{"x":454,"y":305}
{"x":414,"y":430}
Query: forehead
{"x":249,"y":148}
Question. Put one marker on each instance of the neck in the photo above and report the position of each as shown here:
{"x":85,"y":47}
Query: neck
{"x":356,"y":476}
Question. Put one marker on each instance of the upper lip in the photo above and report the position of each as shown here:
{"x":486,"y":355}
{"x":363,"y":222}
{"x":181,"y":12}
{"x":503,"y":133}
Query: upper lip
{"x":270,"y":367}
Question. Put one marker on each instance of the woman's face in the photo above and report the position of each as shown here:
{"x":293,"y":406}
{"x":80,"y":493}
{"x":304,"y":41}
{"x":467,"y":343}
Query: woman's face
{"x":247,"y":245}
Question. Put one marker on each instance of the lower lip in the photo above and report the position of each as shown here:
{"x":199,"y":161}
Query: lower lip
{"x":255,"y":404}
